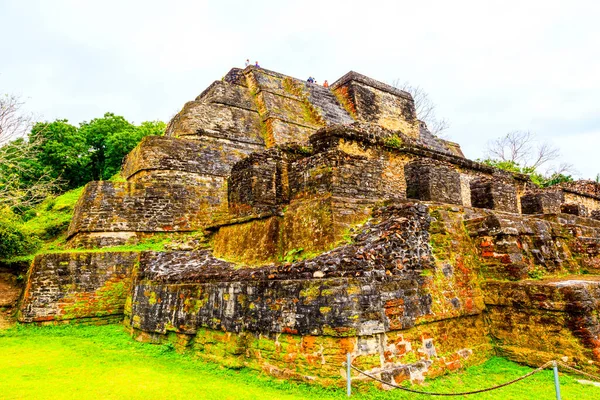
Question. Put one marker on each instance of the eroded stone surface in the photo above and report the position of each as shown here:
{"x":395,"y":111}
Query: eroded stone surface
{"x":293,"y":242}
{"x":77,"y":285}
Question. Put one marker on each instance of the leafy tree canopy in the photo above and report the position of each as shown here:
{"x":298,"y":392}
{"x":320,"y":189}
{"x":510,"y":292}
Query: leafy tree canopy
{"x":68,"y":156}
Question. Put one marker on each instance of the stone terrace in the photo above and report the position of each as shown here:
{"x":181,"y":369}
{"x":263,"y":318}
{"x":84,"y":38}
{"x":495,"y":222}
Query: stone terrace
{"x":312,"y":222}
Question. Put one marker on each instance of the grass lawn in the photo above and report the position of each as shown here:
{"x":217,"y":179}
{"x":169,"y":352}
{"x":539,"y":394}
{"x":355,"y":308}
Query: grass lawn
{"x":102,"y":362}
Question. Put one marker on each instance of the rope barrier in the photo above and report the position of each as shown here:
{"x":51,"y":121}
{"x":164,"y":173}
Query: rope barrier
{"x":595,"y":377}
{"x":535,"y":371}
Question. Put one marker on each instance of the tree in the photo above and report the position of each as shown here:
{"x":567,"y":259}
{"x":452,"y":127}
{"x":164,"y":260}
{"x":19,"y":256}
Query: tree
{"x":520,"y":147}
{"x":425,"y":108}
{"x":57,"y":156}
{"x":19,"y":186}
{"x":519,"y":151}
{"x":96,"y":134}
{"x":119,"y":144}
{"x":61,"y":152}
{"x":110,"y":138}
{"x":13,"y":123}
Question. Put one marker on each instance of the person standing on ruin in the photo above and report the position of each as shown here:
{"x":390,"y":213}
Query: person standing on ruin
{"x":247,"y":62}
{"x":256,"y":64}
{"x":326,"y":84}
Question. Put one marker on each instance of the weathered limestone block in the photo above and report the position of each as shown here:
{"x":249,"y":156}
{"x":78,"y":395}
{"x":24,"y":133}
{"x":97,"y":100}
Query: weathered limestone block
{"x":77,"y":285}
{"x":236,"y":76}
{"x":542,"y":202}
{"x":539,"y":320}
{"x":234,"y":95}
{"x":259,"y":183}
{"x":288,"y":109}
{"x":309,"y":226}
{"x":519,"y":247}
{"x":255,"y":242}
{"x":496,"y":193}
{"x":280,"y":132}
{"x":371,"y":101}
{"x":454,"y":288}
{"x":339,"y":174}
{"x":595,"y":214}
{"x":582,"y":192}
{"x":431,"y":181}
{"x":159,"y":154}
{"x":136,"y":207}
{"x":198,"y":119}
{"x":591,"y":188}
{"x":94,"y":240}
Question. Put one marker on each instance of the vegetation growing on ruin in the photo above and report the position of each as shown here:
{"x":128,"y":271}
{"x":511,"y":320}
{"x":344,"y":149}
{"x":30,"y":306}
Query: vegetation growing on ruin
{"x":394,"y":142}
{"x":536,"y":177}
{"x":345,"y":100}
{"x":41,"y":228}
{"x":90,"y":362}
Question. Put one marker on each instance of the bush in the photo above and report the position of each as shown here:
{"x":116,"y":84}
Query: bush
{"x":13,"y":242}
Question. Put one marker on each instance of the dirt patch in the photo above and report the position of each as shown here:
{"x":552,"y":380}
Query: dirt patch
{"x":10,"y":289}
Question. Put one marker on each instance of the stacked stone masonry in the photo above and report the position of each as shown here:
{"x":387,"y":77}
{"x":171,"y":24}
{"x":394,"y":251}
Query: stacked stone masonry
{"x":331,"y":221}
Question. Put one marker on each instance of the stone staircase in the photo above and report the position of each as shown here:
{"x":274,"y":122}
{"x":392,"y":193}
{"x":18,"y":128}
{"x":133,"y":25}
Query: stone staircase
{"x":326,"y":103}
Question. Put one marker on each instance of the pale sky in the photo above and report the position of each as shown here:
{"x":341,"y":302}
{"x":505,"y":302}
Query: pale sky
{"x":490,"y":66}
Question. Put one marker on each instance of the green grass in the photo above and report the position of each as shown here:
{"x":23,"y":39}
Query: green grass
{"x":52,"y":216}
{"x":48,"y":222}
{"x":102,"y":362}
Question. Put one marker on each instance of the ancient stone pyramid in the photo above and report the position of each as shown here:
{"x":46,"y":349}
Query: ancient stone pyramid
{"x":302,"y":223}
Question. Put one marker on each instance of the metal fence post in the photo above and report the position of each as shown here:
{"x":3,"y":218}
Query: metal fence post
{"x":556,"y":382}
{"x":348,"y":377}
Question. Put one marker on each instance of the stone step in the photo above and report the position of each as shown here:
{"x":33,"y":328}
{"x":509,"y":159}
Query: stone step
{"x":323,"y":99}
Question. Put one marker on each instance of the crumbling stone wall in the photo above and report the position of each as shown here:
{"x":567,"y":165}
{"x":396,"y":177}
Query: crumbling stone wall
{"x":496,"y":192}
{"x":135,"y":207}
{"x":77,"y":285}
{"x":432,"y":181}
{"x":536,"y":320}
{"x":370,"y":291}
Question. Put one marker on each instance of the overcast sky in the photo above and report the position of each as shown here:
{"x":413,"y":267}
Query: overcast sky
{"x":490,"y":66}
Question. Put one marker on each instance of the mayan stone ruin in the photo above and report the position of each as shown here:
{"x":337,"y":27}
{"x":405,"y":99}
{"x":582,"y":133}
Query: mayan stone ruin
{"x":304,"y":223}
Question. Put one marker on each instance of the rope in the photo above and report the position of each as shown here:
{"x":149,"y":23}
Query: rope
{"x":595,"y":377}
{"x":535,"y":371}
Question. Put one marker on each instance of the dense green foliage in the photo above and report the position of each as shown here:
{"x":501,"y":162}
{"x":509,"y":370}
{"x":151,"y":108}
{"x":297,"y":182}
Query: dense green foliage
{"x":94,"y":151}
{"x":69,"y":156}
{"x":536,"y":177}
{"x":13,"y":241}
{"x":54,"y":158}
{"x":101,"y":362}
{"x":40,"y":228}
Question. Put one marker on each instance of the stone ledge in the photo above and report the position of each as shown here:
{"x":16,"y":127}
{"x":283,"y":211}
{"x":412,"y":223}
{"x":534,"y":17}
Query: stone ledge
{"x":355,"y":76}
